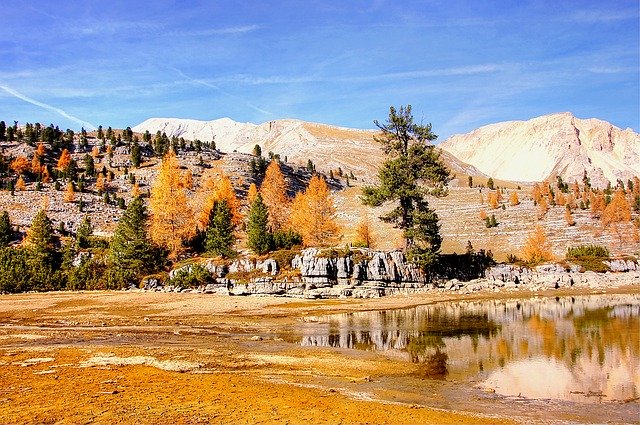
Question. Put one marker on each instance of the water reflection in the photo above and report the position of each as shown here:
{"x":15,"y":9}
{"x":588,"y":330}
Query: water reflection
{"x":575,"y":348}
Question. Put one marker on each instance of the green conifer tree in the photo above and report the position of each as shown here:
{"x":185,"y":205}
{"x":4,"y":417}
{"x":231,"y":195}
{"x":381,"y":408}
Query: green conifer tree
{"x":85,"y":230}
{"x":40,"y":235}
{"x":258,"y":238}
{"x":131,"y":253}
{"x":219,"y":236}
{"x":412,"y":172}
{"x":6,"y":233}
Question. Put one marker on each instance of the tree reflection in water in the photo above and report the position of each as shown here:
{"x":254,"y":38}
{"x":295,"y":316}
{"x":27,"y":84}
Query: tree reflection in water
{"x":579,"y":345}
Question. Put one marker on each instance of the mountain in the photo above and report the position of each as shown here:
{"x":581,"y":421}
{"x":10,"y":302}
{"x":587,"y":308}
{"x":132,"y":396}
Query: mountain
{"x":550,"y":145}
{"x":328,"y":147}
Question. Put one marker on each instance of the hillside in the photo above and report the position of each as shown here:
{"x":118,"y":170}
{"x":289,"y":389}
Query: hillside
{"x":329,"y":147}
{"x":550,"y":145}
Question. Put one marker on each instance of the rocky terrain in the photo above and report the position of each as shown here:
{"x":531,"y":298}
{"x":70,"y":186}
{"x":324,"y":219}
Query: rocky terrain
{"x":371,"y":274}
{"x":550,"y":145}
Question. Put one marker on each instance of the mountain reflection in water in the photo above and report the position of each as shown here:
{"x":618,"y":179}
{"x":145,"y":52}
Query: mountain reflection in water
{"x":583,"y":348}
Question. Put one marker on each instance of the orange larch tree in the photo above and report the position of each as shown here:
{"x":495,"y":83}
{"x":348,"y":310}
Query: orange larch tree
{"x":313,"y":214}
{"x":20,"y":185}
{"x":220,"y":189}
{"x":493,"y":200}
{"x":274,"y":194}
{"x":568,"y":216}
{"x":171,"y":219}
{"x":64,"y":160}
{"x":70,"y":193}
{"x":364,"y":233}
{"x":20,"y":164}
{"x":536,"y":247}
{"x":617,"y":212}
{"x":135,"y":191}
{"x":252,"y":193}
{"x":513,"y":199}
{"x":187,"y":179}
{"x":598,"y":204}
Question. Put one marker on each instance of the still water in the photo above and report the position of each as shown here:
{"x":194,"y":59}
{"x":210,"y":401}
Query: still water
{"x":582,"y":349}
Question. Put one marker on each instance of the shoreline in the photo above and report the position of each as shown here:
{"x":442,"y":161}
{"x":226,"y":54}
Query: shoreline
{"x":235,"y":364}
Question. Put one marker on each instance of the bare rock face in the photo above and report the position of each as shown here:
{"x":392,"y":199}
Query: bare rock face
{"x":370,"y":274}
{"x":557,"y":144}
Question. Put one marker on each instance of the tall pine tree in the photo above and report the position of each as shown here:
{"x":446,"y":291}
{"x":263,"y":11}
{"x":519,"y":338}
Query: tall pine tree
{"x":412,"y":172}
{"x":6,"y":233}
{"x":258,"y":238}
{"x":131,"y":253}
{"x":219,"y":237}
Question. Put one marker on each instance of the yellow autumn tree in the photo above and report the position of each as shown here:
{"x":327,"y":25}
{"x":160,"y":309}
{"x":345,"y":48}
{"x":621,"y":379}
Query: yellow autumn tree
{"x":95,"y":152}
{"x":364,"y":233}
{"x":100,"y":185}
{"x":513,"y":199}
{"x":187,"y":179}
{"x":64,"y":160}
{"x":568,"y":216}
{"x":617,"y":212}
{"x":274,"y":194}
{"x":252,"y":193}
{"x":543,"y":207}
{"x":313,"y":214}
{"x":598,"y":204}
{"x":46,"y":178}
{"x":135,"y":191}
{"x":20,"y":185}
{"x":70,"y":193}
{"x":171,"y":219}
{"x":493,"y":200}
{"x":537,"y":248}
{"x":220,"y":189}
{"x":536,"y":193}
{"x":20,"y":164}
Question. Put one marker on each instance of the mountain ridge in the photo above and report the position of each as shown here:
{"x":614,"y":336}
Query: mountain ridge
{"x":520,"y":150}
{"x":550,"y":145}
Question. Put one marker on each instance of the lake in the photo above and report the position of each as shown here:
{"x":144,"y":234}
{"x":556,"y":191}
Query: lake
{"x":581,"y":349}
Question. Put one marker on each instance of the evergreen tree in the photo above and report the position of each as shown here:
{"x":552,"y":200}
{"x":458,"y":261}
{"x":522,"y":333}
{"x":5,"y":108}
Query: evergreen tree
{"x":40,"y":236}
{"x":136,"y":153}
{"x":257,"y":235}
{"x":490,"y":183}
{"x":257,"y":150}
{"x":6,"y":233}
{"x":412,"y":172}
{"x":89,"y":165}
{"x":131,"y":254}
{"x":219,"y":234}
{"x":3,"y":130}
{"x":85,"y":230}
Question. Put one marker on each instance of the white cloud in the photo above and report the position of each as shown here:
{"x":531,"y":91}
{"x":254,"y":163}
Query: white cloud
{"x":43,"y":105}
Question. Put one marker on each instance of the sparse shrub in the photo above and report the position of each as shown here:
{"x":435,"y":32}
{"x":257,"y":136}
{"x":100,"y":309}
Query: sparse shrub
{"x":513,"y":259}
{"x":286,"y":239}
{"x":284,"y":257}
{"x":589,"y":257}
{"x":192,"y":277}
{"x":587,"y":251}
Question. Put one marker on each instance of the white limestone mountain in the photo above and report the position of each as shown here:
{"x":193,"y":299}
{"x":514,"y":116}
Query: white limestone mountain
{"x":550,"y":145}
{"x":329,"y":147}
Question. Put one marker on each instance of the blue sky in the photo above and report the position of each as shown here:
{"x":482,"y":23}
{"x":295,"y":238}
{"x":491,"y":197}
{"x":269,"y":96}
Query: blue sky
{"x":461,"y":64}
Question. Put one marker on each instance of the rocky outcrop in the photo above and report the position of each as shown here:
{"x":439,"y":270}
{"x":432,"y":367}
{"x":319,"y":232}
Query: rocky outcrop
{"x":367,"y":274}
